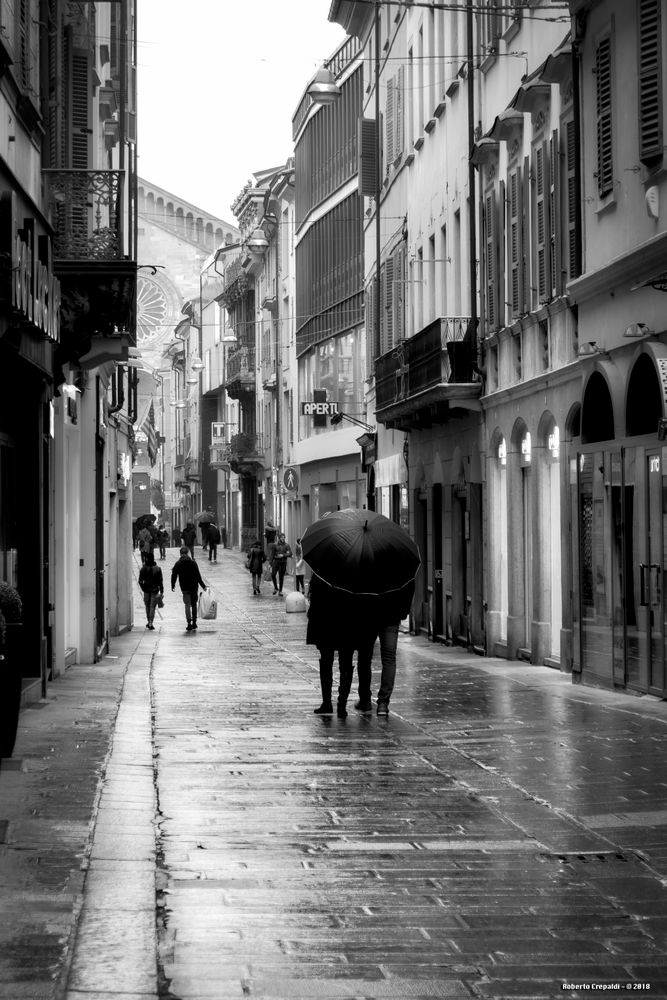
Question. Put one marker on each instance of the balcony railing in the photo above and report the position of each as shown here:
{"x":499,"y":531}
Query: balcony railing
{"x":219,"y":456}
{"x":86,"y":209}
{"x":246,"y":453}
{"x":418,"y":371}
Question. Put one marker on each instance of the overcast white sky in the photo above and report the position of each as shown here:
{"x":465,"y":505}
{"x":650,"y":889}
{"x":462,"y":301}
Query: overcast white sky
{"x":218,"y":83}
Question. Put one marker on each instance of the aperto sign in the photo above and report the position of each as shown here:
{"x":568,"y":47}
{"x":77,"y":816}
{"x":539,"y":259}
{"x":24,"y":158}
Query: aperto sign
{"x":35,"y":291}
{"x":313,"y":409}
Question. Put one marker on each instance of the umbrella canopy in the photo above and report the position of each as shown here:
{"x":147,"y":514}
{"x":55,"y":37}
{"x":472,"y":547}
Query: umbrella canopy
{"x":145,"y":521}
{"x":205,"y":517}
{"x":361,"y":552}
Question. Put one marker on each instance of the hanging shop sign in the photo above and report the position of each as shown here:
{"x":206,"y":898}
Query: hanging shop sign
{"x":35,"y":291}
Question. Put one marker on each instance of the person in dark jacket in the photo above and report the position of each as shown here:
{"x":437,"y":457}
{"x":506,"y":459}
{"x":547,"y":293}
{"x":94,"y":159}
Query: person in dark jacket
{"x":189,"y":536}
{"x":186,"y":571}
{"x":163,"y":538}
{"x":336,"y":624}
{"x":256,"y":559}
{"x":384,"y":613}
{"x":213,"y":537}
{"x":152,"y":586}
{"x":281,"y":553}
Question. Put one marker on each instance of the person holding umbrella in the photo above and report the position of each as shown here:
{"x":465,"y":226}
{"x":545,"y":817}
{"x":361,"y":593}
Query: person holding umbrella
{"x":373,"y":562}
{"x":203,"y":519}
{"x":335,"y":625}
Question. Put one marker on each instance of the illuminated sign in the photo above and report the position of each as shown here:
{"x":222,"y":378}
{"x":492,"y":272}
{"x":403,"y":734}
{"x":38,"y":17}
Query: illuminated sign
{"x":311,"y":409}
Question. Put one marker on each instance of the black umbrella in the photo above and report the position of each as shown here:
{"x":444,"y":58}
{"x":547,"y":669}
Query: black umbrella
{"x":361,"y":552}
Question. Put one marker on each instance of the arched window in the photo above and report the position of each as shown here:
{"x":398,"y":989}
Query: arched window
{"x":643,"y":407}
{"x":597,"y":418}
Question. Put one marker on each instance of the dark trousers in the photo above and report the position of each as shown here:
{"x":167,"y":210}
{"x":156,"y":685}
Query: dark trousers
{"x":212,"y":551}
{"x":278,"y":574}
{"x":346,"y":672}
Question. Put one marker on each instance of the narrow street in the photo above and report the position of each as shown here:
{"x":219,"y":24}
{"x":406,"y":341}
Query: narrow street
{"x":501,"y":834}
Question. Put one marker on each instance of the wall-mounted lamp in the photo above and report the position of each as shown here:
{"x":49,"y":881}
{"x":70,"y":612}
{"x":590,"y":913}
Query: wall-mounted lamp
{"x":637,"y":330}
{"x":197,"y":364}
{"x":323,"y":88}
{"x":179,"y":404}
{"x":589,"y":349}
{"x":257,"y":243}
{"x":191,"y":380}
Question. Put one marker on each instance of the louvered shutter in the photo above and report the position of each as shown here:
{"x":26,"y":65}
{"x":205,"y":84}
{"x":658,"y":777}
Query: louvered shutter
{"x":514,"y":253}
{"x":490,"y":284}
{"x":23,"y":43}
{"x":500,"y":256}
{"x":542,"y":222}
{"x":604,"y":117}
{"x":399,"y":116}
{"x":388,"y":306}
{"x":399,"y":294}
{"x":571,"y":189}
{"x":367,"y":157}
{"x":370,"y":325}
{"x":54,"y":123}
{"x":389,"y":125}
{"x":555,"y":217}
{"x":525,"y":238}
{"x":650,"y":82}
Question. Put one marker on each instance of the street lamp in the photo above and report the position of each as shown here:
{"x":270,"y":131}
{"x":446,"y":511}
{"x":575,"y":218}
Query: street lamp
{"x":323,"y":88}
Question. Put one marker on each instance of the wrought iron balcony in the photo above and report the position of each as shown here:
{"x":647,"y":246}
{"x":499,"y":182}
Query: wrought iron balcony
{"x":87,"y":213}
{"x":91,"y":218}
{"x":219,"y":456}
{"x":246,"y":453}
{"x":241,"y":371}
{"x":423,"y":378}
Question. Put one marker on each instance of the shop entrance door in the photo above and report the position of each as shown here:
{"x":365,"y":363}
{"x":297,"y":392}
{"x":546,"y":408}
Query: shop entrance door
{"x":644,"y":519}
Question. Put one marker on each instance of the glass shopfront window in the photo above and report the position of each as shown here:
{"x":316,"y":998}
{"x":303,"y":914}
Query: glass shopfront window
{"x":336,"y":366}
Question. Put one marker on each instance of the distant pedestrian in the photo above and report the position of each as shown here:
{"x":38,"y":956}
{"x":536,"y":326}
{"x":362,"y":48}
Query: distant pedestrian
{"x":205,"y":518}
{"x":334,"y":624}
{"x":213,"y":538}
{"x":270,"y":535}
{"x":163,"y":538}
{"x":189,"y":536}
{"x":256,"y":559}
{"x":299,"y":568}
{"x":152,"y":586}
{"x":186,"y":571}
{"x":281,"y":553}
{"x":146,"y":543}
{"x":223,"y":535}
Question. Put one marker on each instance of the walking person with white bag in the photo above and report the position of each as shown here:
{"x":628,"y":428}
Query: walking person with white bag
{"x":186,"y":571}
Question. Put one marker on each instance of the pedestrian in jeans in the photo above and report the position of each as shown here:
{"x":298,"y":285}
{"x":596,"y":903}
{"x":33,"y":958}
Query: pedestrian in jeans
{"x":256,"y":560}
{"x":387,"y":612}
{"x":213,"y":537}
{"x":335,"y":625}
{"x":186,"y":571}
{"x":281,"y":553}
{"x":152,"y":586}
{"x":299,"y":568}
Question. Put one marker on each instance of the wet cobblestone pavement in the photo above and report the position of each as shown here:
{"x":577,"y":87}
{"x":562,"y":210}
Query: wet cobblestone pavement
{"x":178,"y":824}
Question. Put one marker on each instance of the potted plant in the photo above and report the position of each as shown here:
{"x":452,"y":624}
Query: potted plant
{"x":11,"y":613}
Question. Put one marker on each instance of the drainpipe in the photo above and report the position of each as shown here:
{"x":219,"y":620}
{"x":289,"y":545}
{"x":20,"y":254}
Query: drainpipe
{"x":472,"y":214}
{"x":578,"y":30}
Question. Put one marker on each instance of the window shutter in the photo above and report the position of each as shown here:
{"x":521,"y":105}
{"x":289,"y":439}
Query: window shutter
{"x":500,"y":255}
{"x":23,"y":43}
{"x":491,"y":270}
{"x":389,"y":125}
{"x":525,"y":238}
{"x":371,"y":353}
{"x":399,"y":116}
{"x":514,"y":240}
{"x":570,"y":187}
{"x":555,"y":217}
{"x":604,"y":117}
{"x":542,"y":222}
{"x":399,"y":294}
{"x":650,"y":82}
{"x":367,"y":157}
{"x":388,"y":306}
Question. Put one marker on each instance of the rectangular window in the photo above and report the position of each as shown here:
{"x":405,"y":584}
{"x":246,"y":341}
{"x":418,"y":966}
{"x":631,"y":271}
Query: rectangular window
{"x":603,"y":74}
{"x":570,"y":201}
{"x":650,"y":82}
{"x":490,"y":262}
{"x":515,"y":241}
{"x":542,"y":189}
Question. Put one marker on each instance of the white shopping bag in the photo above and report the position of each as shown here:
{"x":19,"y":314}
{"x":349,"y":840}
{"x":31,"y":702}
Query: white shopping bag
{"x":208,"y":607}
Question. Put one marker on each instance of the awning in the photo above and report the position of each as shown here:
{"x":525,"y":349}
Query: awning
{"x":390,"y":471}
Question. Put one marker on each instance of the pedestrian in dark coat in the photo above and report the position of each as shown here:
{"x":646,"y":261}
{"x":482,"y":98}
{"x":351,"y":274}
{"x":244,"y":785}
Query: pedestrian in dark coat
{"x":152,"y":586}
{"x":213,"y":537}
{"x":335,"y":623}
{"x":189,"y":536}
{"x":186,"y":571}
{"x":281,"y":553}
{"x":384,"y":613}
{"x":256,"y":559}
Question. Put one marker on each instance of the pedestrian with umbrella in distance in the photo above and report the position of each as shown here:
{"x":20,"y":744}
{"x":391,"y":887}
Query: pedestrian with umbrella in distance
{"x":373,"y":562}
{"x":203,"y":519}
